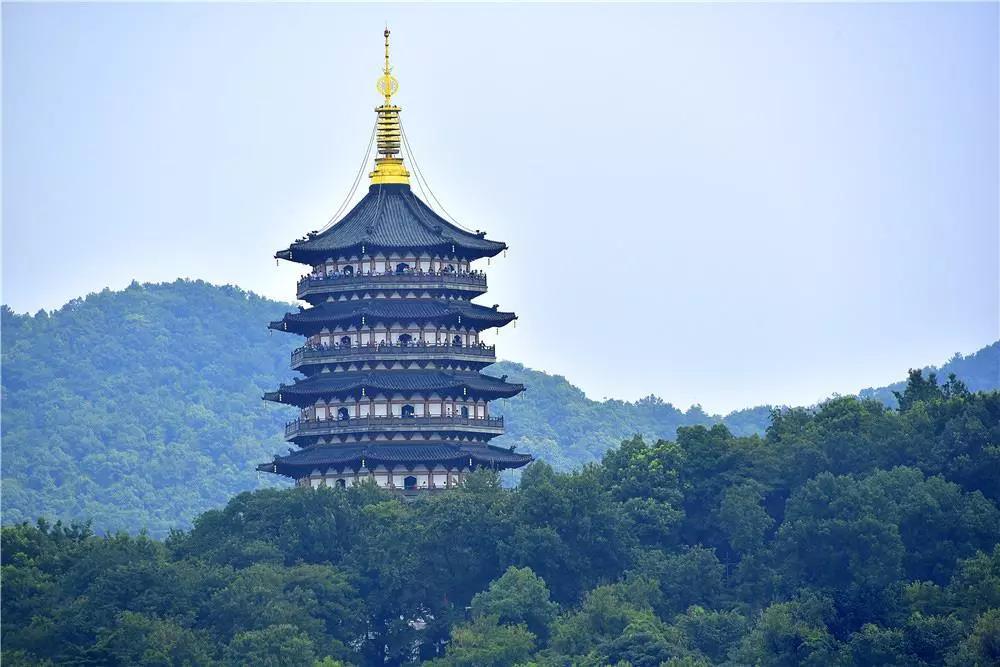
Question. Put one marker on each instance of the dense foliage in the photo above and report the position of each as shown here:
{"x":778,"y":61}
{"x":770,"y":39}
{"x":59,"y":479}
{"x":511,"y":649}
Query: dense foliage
{"x":141,"y":408}
{"x":852,"y":534}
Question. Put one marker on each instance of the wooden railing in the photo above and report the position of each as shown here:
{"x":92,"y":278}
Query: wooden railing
{"x":307,"y":353}
{"x":475,"y":279}
{"x":308,"y":426}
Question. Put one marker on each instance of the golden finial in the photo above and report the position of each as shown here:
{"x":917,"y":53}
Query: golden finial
{"x":387,"y":84}
{"x":389,"y":167}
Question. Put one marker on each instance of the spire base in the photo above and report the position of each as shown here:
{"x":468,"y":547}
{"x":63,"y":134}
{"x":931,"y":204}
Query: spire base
{"x":389,"y":170}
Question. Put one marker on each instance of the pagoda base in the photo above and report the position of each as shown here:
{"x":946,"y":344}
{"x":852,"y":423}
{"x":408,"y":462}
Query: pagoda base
{"x":407,"y":468}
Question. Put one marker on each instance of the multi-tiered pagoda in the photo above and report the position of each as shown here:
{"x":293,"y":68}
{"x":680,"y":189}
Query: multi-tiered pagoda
{"x":392,"y":388}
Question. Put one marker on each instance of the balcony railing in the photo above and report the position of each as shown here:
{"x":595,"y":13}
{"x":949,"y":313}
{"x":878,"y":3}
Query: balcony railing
{"x":299,"y":427}
{"x":321,"y":353}
{"x":475,"y":279}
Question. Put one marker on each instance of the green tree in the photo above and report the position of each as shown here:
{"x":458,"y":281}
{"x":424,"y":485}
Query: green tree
{"x":604,"y":614}
{"x":273,"y":646}
{"x":875,"y":646}
{"x":568,"y":530}
{"x":742,"y":518}
{"x":317,"y":599}
{"x":485,"y":642}
{"x":519,"y":596}
{"x":982,"y":647}
{"x":932,"y":639}
{"x":137,"y":639}
{"x":975,"y":586}
{"x":713,"y":633}
{"x":645,"y":642}
{"x":692,"y":577}
{"x":790,"y":634}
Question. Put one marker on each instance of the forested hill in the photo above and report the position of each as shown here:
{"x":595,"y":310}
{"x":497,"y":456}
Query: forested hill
{"x":141,"y":408}
{"x":849,"y":535}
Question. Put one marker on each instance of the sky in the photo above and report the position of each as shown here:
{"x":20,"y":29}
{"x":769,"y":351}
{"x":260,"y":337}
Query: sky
{"x":720,"y":204}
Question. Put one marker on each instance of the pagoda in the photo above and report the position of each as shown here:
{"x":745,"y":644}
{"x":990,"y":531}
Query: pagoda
{"x":391,"y":388}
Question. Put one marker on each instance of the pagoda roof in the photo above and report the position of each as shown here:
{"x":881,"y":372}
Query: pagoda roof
{"x":431,"y":454}
{"x":407,"y":382}
{"x":455,"y":311}
{"x":390,"y":217}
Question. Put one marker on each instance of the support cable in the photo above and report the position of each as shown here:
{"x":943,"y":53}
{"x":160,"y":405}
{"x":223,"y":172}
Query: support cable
{"x":420,"y":174}
{"x":354,"y":187}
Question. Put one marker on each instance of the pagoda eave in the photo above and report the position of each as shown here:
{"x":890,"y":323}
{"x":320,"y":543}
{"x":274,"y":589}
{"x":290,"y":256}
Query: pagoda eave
{"x":303,"y":396}
{"x":368,"y":457}
{"x":303,"y":254}
{"x":307,"y":323}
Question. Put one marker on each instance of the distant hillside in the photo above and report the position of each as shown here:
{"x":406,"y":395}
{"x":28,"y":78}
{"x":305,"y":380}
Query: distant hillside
{"x":979,"y":372}
{"x":141,"y":408}
{"x":555,"y":421}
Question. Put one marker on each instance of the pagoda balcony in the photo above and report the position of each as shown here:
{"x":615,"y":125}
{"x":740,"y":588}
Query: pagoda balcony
{"x":311,"y":285}
{"x":330,"y":354}
{"x":319,"y":427}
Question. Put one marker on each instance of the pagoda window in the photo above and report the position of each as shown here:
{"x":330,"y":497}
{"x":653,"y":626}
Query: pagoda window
{"x":402,"y":267}
{"x":348,"y":270}
{"x":450,"y":268}
{"x":345,"y":341}
{"x":409,"y":482}
{"x":341,"y":483}
{"x":407,"y":412}
{"x":405,"y":339}
{"x":465,"y":412}
{"x":457,"y":341}
{"x":343,"y":415}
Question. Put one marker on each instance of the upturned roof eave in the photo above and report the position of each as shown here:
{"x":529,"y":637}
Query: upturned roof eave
{"x":304,"y":324}
{"x":301,"y":394}
{"x":353,"y":456}
{"x":303,"y":254}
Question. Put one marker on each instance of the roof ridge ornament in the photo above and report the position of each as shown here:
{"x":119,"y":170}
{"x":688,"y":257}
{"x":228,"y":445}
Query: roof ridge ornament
{"x":389,"y":169}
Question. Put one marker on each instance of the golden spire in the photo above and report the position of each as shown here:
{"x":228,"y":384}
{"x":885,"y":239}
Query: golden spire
{"x":388,"y":164}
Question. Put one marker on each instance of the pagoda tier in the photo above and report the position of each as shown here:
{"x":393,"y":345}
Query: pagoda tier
{"x":381,"y":312}
{"x":392,"y":390}
{"x":390,"y":218}
{"x":373,"y":279}
{"x":407,"y":383}
{"x":421,"y":355}
{"x":453,"y":427}
{"x":416,"y":467}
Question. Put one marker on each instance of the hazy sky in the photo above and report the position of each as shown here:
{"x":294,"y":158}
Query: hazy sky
{"x":722,"y":204}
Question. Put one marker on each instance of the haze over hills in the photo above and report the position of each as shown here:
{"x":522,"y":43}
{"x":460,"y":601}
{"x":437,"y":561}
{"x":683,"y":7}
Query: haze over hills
{"x":141,"y":408}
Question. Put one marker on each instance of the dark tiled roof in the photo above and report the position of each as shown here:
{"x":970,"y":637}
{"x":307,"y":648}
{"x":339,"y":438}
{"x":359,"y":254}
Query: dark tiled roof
{"x":387,"y":311}
{"x":431,"y":454}
{"x":391,"y":217}
{"x":328,"y":385}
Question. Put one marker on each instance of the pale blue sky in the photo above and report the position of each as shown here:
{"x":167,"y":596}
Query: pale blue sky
{"x":723,"y":204}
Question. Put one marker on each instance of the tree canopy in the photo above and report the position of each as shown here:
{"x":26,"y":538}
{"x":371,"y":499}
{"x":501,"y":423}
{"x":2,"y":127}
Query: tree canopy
{"x":850,"y":534}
